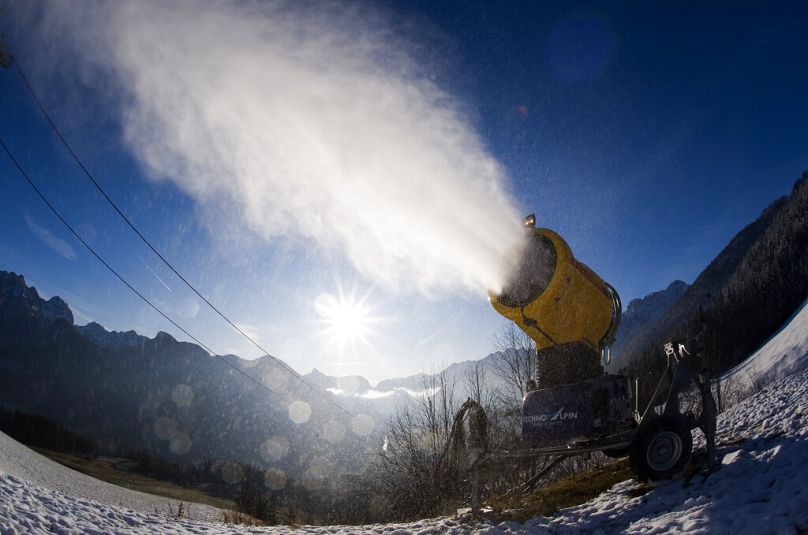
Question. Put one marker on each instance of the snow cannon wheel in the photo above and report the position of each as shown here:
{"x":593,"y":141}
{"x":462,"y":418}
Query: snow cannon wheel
{"x":661,"y":450}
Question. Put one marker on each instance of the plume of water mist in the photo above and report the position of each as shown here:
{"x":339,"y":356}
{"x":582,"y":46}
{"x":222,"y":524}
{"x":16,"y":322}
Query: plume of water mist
{"x":312,"y":122}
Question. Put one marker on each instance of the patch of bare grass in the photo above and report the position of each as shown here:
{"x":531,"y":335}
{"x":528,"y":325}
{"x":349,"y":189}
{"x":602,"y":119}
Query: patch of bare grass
{"x":113,"y":470}
{"x":567,"y":492}
{"x":234,"y":517}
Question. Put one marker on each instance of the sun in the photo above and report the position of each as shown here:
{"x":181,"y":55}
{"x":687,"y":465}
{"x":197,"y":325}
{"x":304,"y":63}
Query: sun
{"x":346,"y":319}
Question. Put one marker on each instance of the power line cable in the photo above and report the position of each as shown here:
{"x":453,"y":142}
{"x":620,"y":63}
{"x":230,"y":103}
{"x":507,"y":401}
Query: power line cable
{"x":131,"y":225}
{"x":53,"y":209}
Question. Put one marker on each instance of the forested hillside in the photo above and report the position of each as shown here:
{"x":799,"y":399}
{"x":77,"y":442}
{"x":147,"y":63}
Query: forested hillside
{"x":744,"y":295}
{"x":767,"y":287}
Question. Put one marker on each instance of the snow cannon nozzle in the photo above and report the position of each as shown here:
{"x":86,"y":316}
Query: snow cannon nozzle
{"x":555,"y":298}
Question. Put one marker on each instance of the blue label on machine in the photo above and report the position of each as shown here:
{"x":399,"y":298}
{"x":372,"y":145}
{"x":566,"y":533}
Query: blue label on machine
{"x":556,"y":415}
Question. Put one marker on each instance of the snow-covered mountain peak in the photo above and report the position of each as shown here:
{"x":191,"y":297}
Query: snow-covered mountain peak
{"x":645,"y":311}
{"x":97,"y":334}
{"x":17,"y":297}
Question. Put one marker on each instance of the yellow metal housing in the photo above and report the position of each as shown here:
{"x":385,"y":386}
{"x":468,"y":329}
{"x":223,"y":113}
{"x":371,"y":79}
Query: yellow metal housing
{"x":558,"y":302}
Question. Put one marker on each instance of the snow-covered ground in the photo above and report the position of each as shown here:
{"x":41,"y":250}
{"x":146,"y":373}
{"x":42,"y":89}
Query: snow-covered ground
{"x":759,"y":489}
{"x":784,"y":353}
{"x":21,"y":464}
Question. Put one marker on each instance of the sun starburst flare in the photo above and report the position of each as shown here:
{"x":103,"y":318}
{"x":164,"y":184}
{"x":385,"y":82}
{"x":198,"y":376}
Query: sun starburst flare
{"x":347,"y":320}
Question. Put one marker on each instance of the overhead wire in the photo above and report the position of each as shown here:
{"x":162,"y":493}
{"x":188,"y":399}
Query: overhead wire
{"x":120,"y":277}
{"x":140,"y":235}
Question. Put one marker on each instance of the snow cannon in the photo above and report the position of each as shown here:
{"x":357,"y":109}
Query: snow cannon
{"x":570,"y":407}
{"x":556,"y":299}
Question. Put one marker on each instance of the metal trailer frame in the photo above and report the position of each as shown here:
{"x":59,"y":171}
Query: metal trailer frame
{"x":680,"y":377}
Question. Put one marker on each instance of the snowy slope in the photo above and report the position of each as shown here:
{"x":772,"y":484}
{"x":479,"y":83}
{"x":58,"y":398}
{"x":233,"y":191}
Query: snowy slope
{"x":31,"y":467}
{"x":784,"y":353}
{"x":760,"y":489}
{"x":763,"y":448}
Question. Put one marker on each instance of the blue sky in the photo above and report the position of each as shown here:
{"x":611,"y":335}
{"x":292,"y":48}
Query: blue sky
{"x":646,"y":135}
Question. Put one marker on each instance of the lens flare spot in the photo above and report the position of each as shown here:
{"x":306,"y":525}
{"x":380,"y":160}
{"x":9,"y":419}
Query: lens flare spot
{"x":362,"y":424}
{"x":232,"y":473}
{"x":164,"y":427}
{"x":349,"y":384}
{"x":333,"y":431}
{"x":180,"y":443}
{"x":276,"y":379}
{"x":318,"y":473}
{"x":275,"y":478}
{"x":182,"y":395}
{"x":274,"y":449}
{"x":299,"y":412}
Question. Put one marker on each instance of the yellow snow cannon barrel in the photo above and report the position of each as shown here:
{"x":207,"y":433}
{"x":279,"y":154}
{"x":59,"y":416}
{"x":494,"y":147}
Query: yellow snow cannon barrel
{"x":555,"y":298}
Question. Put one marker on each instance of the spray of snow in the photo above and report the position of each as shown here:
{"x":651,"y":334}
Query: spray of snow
{"x":311,"y":122}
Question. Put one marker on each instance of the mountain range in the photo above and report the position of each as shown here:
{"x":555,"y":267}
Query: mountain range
{"x":741,"y":298}
{"x":173,"y":399}
{"x":169,"y":398}
{"x":645,"y":311}
{"x":640,"y":313}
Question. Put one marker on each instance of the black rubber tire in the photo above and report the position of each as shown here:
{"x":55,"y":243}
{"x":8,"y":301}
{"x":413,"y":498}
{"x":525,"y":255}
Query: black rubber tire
{"x":661,"y":449}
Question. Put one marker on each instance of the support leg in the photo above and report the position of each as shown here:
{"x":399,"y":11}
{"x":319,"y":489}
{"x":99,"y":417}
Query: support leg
{"x":475,"y":491}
